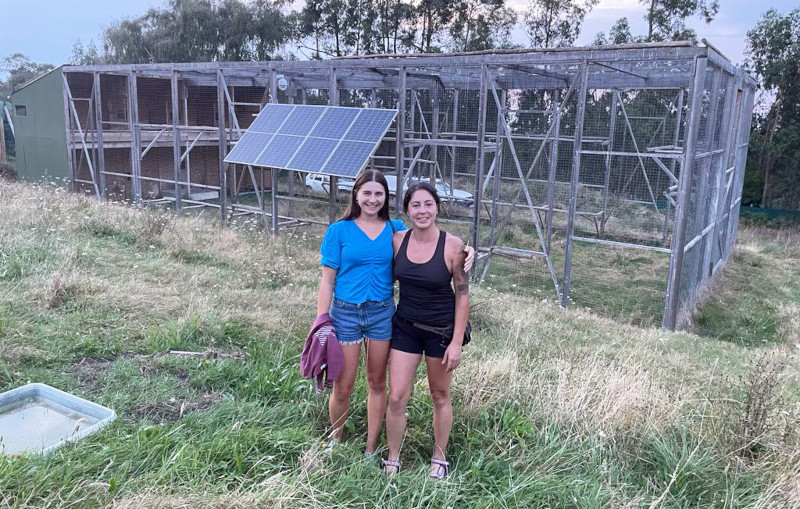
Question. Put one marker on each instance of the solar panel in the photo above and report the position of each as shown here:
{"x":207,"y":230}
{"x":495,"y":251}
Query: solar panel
{"x":313,"y":154}
{"x":280,"y":151}
{"x":370,"y":125}
{"x":249,"y":147}
{"x":333,"y":121}
{"x":301,"y":120}
{"x":272,"y":122}
{"x":349,"y":158}
{"x":328,"y":139}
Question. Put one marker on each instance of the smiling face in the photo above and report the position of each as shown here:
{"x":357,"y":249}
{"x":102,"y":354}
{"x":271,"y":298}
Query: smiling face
{"x":370,"y":197}
{"x":422,"y":209}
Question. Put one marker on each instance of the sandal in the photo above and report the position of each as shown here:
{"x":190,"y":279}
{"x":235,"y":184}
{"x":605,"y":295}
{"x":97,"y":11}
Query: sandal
{"x":441,"y":468}
{"x":387,"y":464}
{"x":371,"y":459}
{"x":330,"y":445}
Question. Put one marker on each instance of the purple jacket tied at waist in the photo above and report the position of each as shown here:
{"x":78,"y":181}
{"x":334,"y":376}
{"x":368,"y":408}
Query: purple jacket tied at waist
{"x":322,"y":353}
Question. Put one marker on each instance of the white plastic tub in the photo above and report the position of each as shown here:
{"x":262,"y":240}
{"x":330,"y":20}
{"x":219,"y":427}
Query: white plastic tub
{"x":37,"y":418}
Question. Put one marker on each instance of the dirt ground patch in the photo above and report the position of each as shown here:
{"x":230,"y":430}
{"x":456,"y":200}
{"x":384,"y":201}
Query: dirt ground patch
{"x":174,"y":408}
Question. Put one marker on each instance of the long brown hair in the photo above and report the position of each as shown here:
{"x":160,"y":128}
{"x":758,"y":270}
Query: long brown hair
{"x":354,"y":209}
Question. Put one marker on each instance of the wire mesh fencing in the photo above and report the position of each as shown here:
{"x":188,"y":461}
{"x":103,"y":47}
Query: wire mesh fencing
{"x":605,"y":178}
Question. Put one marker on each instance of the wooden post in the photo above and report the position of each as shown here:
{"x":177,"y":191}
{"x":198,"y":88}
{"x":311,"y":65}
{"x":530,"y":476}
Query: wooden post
{"x":70,"y":137}
{"x":576,"y":169}
{"x":612,"y":129}
{"x":98,"y":123}
{"x":292,"y":174}
{"x":454,"y":149}
{"x":223,"y":148}
{"x":176,"y":140}
{"x":136,"y":141}
{"x":497,"y":174}
{"x":399,"y":143}
{"x":434,"y":132}
{"x":333,"y":100}
{"x":273,"y":172}
{"x":479,"y":154}
{"x":553,"y":170}
{"x":672,"y":304}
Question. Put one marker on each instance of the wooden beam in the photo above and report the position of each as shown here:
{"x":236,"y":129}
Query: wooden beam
{"x":176,"y":138}
{"x":98,"y":124}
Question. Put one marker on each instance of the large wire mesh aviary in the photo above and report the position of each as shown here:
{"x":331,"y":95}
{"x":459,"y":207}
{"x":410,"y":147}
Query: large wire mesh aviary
{"x":605,"y":177}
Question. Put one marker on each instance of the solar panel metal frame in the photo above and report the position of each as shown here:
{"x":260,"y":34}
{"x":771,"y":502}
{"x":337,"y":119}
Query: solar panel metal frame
{"x":258,"y":127}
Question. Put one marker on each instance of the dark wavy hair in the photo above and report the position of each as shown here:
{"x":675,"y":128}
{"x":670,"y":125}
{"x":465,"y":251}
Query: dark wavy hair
{"x":354,"y":209}
{"x":421,"y":186}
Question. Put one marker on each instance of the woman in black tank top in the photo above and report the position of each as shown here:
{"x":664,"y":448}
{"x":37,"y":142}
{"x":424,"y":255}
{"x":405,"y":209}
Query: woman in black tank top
{"x":428,"y":263}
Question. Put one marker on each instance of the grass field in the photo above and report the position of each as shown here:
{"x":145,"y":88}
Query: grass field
{"x":553,"y":408}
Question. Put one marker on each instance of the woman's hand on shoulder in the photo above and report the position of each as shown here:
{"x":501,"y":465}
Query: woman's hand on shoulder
{"x":397,"y":239}
{"x":470,"y":259}
{"x":461,"y":251}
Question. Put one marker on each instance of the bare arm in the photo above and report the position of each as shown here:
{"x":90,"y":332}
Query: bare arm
{"x":452,"y":356}
{"x":326,"y":286}
{"x":469,"y":251}
{"x":397,"y":239}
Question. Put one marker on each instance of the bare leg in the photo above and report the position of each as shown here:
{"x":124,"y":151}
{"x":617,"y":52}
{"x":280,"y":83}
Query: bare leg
{"x":402,"y":367}
{"x":339,"y":402}
{"x":377,"y":357}
{"x":439,"y":383}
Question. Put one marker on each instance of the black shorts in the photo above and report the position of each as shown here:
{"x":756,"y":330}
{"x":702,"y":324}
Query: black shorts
{"x":408,"y":338}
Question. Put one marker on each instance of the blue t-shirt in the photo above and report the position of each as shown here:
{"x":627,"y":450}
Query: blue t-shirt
{"x":364,"y":266}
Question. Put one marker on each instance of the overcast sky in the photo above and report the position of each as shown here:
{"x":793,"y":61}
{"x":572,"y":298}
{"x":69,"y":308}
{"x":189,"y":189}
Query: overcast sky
{"x":46,"y":30}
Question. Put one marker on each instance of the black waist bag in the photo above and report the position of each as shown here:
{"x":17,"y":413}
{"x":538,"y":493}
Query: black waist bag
{"x":447,"y":332}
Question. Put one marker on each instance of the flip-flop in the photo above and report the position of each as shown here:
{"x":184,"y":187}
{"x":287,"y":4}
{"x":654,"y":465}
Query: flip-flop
{"x":442,"y":468}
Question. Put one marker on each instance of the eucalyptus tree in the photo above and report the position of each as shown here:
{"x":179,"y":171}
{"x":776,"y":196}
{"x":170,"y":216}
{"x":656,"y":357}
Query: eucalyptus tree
{"x":200,"y":30}
{"x":480,"y":24}
{"x":773,"y":53}
{"x":666,"y":19}
{"x":554,"y":23}
{"x":20,"y":70}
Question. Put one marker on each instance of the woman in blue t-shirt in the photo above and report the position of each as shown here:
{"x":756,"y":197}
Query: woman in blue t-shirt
{"x":356,"y":289}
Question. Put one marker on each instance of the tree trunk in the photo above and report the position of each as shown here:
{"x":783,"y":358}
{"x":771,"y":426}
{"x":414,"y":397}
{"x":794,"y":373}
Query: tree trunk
{"x":2,"y":136}
{"x":767,"y":157}
{"x":650,"y":20}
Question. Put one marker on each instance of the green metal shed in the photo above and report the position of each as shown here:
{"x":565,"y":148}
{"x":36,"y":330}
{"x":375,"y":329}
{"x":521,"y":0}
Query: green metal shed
{"x":41,"y":141}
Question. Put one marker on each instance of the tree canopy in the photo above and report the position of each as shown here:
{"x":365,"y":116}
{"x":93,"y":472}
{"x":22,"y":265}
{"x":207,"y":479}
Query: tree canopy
{"x":773,"y":53}
{"x":200,"y":31}
{"x":348,"y":27}
{"x":666,"y":21}
{"x":21,"y":69}
{"x":554,"y":23}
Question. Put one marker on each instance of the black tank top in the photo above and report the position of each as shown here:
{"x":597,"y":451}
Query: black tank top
{"x":426,"y":295}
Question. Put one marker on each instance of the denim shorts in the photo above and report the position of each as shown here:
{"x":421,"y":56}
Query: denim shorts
{"x":370,"y":319}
